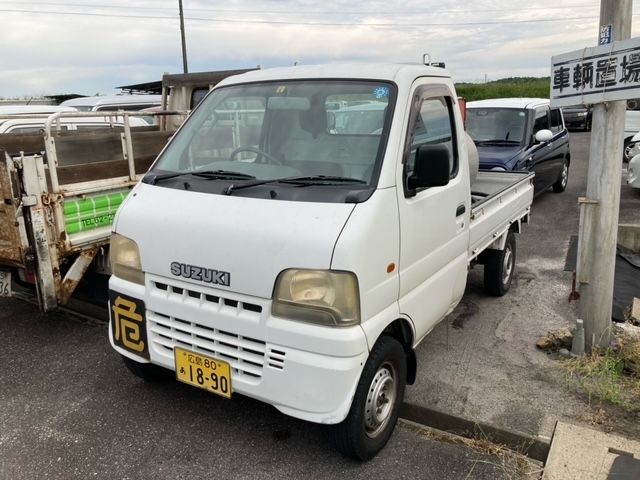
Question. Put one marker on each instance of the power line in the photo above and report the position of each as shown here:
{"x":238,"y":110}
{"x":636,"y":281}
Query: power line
{"x":309,"y":24}
{"x":301,"y":12}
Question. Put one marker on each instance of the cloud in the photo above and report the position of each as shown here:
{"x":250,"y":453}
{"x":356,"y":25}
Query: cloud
{"x":89,"y":46}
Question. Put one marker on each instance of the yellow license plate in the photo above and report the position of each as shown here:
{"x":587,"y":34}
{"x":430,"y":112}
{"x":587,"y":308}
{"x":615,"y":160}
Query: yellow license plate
{"x":203,"y":372}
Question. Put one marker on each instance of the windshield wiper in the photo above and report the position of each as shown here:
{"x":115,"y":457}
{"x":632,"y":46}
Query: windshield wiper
{"x":301,"y":181}
{"x":154,"y":179}
{"x":223,"y":175}
{"x":208,"y":174}
{"x":320,"y":180}
{"x":497,"y":141}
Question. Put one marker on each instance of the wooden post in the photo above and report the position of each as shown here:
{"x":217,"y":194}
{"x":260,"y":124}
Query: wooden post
{"x":598,"y":232}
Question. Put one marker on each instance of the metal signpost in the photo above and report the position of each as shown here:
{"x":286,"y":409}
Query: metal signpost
{"x":604,"y":76}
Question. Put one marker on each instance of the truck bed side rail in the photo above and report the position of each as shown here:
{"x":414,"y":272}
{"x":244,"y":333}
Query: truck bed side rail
{"x":506,"y":200}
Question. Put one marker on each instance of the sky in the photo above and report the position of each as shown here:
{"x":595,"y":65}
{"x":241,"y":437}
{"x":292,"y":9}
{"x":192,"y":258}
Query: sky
{"x":92,"y":46}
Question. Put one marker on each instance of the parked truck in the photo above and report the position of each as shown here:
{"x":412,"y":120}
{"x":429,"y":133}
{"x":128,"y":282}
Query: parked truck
{"x":60,"y":189}
{"x":270,"y":254}
{"x":63,"y":175}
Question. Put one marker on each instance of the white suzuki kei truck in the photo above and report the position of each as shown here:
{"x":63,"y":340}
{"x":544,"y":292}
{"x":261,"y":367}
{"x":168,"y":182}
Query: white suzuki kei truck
{"x":289,"y":246}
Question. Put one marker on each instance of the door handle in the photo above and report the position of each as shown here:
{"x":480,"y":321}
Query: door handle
{"x":460,"y":210}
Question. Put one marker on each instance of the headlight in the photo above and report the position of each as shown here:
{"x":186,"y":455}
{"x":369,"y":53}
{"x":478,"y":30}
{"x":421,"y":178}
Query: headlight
{"x":499,"y":169}
{"x":317,"y":296}
{"x":125,"y":259}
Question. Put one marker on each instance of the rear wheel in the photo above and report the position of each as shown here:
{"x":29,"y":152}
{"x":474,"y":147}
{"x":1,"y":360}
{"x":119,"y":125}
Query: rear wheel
{"x":499,"y":266}
{"x":147,"y":371}
{"x":561,"y":184}
{"x":374,"y":411}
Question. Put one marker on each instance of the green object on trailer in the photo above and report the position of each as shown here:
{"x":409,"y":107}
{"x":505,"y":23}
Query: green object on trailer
{"x":89,"y":213}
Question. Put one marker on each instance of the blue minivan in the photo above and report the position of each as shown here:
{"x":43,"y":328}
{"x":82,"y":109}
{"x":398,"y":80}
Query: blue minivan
{"x":521,"y":134}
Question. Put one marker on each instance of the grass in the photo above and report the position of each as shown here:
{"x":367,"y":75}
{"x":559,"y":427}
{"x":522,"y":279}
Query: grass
{"x":504,"y":88}
{"x":609,"y":375}
{"x":513,"y":464}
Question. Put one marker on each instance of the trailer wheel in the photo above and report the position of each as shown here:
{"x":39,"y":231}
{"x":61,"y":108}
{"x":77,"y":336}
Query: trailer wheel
{"x":499,"y":266}
{"x":146,"y":371}
{"x":374,"y":411}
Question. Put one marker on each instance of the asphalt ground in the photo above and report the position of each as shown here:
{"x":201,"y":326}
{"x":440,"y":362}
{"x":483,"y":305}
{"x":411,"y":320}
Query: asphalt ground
{"x":481,"y":362}
{"x":70,"y":410}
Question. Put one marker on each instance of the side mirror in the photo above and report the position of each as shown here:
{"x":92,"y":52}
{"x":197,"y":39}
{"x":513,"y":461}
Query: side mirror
{"x":543,"y":135}
{"x":432,"y":167}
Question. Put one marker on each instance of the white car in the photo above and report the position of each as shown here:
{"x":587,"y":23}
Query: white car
{"x":114,"y":102}
{"x":632,"y":151}
{"x":31,"y":119}
{"x":631,"y":134}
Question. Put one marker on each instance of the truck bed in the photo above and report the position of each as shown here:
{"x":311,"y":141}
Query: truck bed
{"x":498,"y":199}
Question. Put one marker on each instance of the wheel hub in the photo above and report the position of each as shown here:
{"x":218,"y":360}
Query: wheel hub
{"x":381,"y":399}
{"x":507,"y":265}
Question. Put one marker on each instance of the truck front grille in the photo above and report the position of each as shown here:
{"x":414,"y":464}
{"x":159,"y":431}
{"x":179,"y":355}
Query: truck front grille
{"x":245,"y":355}
{"x":178,"y":293}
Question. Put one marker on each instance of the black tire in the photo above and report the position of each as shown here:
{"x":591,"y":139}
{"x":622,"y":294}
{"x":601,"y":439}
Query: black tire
{"x":147,"y":371}
{"x":561,"y":184}
{"x":363,"y":433}
{"x":499,"y":266}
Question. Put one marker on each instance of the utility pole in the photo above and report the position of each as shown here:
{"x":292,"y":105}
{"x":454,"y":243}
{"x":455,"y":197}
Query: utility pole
{"x":184,"y":42}
{"x":600,"y":209}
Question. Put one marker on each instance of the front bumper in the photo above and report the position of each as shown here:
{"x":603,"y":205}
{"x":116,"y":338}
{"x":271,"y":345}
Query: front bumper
{"x":306,"y":371}
{"x":633,"y":172}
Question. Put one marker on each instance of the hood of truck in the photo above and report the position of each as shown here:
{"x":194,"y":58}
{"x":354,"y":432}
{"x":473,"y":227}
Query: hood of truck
{"x":252,"y":240}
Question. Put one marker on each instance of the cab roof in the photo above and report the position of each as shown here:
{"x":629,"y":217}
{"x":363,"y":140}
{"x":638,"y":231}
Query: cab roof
{"x":395,"y":72}
{"x":521,"y":102}
{"x":112,"y":100}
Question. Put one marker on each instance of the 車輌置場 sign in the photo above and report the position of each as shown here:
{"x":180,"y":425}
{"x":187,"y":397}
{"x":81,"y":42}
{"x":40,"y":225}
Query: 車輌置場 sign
{"x":597,"y":74}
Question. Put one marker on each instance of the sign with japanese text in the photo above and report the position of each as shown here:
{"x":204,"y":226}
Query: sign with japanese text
{"x":597,"y":74}
{"x":606,"y":35}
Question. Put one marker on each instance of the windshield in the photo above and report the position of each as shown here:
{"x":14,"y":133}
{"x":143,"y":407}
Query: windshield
{"x":496,"y":125}
{"x":334,"y":131}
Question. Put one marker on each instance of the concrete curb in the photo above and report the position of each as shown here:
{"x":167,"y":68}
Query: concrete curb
{"x":535,"y":447}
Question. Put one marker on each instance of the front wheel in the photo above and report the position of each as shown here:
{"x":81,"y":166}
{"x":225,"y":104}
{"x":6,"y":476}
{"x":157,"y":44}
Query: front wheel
{"x":499,"y":266}
{"x":374,"y":411}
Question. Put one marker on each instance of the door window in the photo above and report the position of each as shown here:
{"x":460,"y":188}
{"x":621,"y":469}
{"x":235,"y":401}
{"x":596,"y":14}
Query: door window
{"x":433,"y":125}
{"x":556,"y":121}
{"x":197,"y":95}
{"x":542,"y":120}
